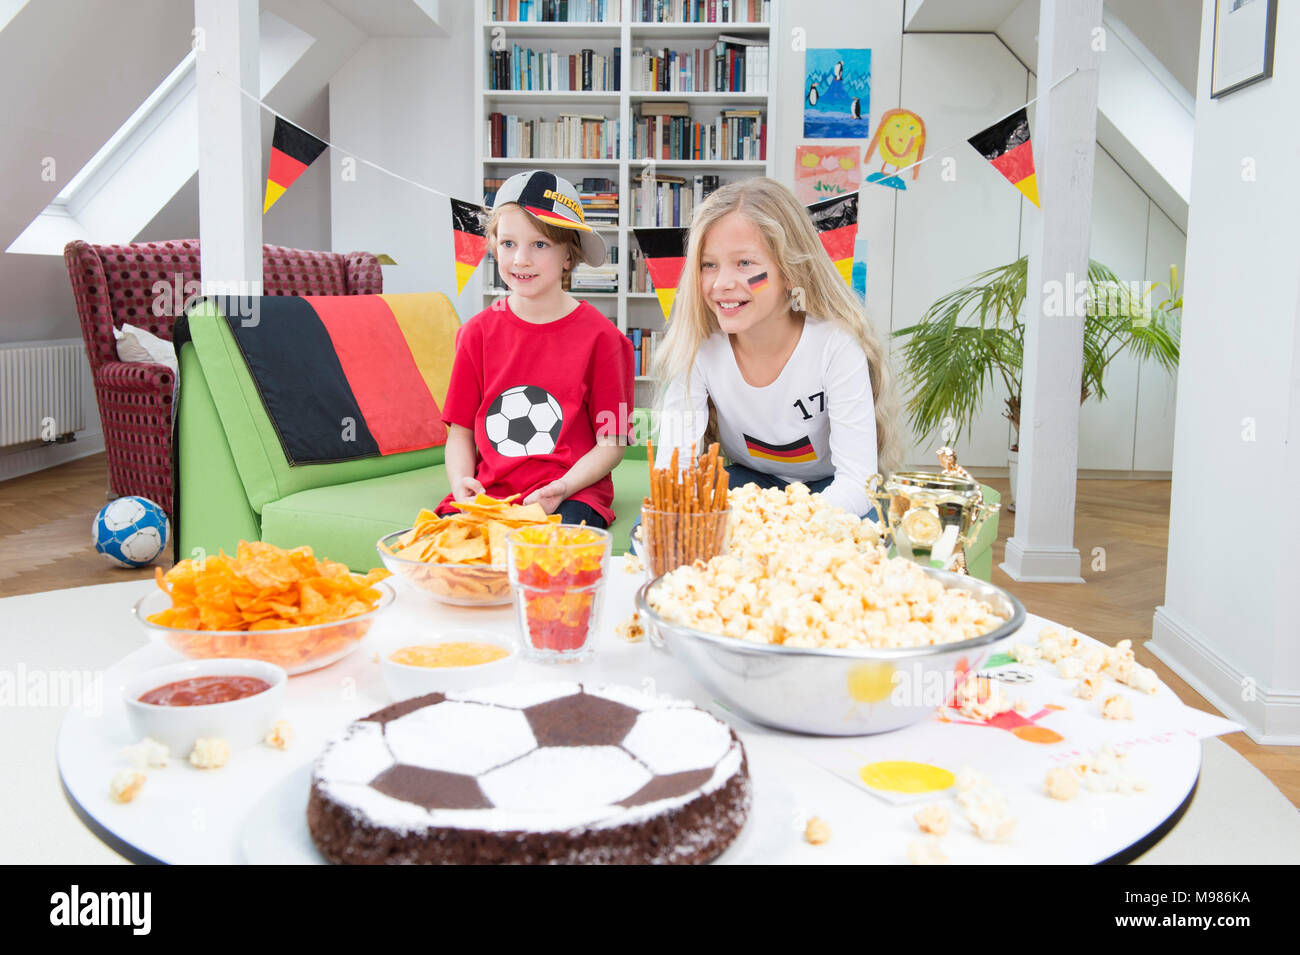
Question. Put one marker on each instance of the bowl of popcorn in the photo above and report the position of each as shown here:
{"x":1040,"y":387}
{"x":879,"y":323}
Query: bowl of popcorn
{"x":828,"y":638}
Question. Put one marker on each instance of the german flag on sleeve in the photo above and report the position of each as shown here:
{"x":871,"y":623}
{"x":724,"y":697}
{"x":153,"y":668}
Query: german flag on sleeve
{"x":292,"y":151}
{"x":836,"y":222}
{"x":796,"y":452}
{"x":345,"y":377}
{"x":665,"y":257}
{"x":470,"y":237}
{"x":1006,"y":145}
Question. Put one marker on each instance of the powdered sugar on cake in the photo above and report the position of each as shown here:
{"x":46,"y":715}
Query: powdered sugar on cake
{"x":525,"y":749}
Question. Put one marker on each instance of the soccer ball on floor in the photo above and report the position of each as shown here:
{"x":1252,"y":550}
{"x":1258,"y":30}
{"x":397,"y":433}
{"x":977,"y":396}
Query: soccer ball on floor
{"x":131,"y":531}
{"x":524,"y":420}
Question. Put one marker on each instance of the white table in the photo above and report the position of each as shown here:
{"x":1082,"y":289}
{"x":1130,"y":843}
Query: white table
{"x":185,"y":815}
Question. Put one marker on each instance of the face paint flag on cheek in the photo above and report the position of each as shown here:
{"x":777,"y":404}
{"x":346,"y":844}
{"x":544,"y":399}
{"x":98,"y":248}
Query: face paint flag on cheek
{"x":758,"y":282}
{"x":469,"y":237}
{"x":836,"y":222}
{"x":665,"y":257}
{"x":1006,"y":145}
{"x":292,"y":151}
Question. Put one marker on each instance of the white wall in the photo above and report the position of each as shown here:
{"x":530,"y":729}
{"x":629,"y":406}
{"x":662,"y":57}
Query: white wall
{"x":408,"y":105}
{"x":1229,"y":614}
{"x":73,"y":71}
{"x":937,"y":234}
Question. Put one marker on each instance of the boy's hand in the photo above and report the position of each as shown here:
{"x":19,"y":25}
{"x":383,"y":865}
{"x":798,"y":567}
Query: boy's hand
{"x":466,"y":488}
{"x":550,"y":496}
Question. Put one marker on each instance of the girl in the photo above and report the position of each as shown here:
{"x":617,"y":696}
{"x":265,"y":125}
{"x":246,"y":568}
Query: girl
{"x":540,"y":379}
{"x":769,"y":338}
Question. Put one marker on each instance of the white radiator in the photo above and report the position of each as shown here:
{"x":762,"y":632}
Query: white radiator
{"x":41,"y":386}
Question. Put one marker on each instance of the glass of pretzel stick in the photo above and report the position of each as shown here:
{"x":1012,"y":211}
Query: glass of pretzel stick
{"x":685,"y":518}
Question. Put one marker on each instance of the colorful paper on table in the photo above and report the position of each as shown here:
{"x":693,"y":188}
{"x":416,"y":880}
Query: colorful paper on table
{"x":824,"y":171}
{"x":837,"y":94}
{"x":469,"y":236}
{"x":364,"y":360}
{"x":665,"y":257}
{"x":1007,"y":146}
{"x":1058,"y":727}
{"x":292,"y":151}
{"x":836,"y":222}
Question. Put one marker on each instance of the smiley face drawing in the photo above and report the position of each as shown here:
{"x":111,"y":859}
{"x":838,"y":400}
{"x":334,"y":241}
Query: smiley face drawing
{"x":901,"y":140}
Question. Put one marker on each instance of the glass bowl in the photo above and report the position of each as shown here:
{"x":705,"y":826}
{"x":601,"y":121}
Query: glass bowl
{"x":465,"y":585}
{"x":296,"y":649}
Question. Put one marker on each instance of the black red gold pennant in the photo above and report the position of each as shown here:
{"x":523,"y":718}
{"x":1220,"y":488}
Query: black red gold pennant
{"x":469,"y":236}
{"x":292,"y":151}
{"x":665,"y":257}
{"x":1006,"y":145}
{"x":836,"y":222}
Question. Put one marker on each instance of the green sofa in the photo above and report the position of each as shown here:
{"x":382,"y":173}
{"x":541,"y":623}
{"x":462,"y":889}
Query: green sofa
{"x":234,"y":481}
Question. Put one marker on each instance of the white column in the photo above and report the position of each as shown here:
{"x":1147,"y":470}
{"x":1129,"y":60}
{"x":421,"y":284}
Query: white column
{"x":1064,"y":135}
{"x":230,"y":146}
{"x":1228,"y":624}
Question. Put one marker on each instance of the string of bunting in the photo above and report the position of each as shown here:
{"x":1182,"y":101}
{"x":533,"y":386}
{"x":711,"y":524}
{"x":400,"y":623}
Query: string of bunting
{"x":293,"y":149}
{"x":1005,"y":144}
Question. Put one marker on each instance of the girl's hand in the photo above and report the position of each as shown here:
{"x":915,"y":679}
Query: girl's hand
{"x":466,"y":488}
{"x":550,"y":496}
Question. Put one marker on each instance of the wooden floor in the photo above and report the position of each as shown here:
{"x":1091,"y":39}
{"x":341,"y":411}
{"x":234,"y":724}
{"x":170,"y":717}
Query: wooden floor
{"x":45,"y":522}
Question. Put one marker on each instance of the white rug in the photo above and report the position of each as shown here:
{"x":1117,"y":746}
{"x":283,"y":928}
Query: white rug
{"x":1237,"y":817}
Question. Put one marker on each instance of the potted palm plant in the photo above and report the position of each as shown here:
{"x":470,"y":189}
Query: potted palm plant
{"x":975,"y":335}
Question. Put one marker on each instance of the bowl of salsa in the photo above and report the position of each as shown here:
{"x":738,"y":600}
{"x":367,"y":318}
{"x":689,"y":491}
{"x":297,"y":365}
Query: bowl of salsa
{"x":231,"y":699}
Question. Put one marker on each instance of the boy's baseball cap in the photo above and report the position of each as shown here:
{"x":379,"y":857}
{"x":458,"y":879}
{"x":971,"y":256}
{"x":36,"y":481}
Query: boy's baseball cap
{"x":553,"y":200}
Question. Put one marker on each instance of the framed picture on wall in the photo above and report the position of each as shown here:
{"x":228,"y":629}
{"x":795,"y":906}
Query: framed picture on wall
{"x":1243,"y":44}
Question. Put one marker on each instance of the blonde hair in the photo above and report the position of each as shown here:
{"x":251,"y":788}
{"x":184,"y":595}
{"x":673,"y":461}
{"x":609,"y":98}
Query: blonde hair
{"x":788,"y":232}
{"x":565,"y":238}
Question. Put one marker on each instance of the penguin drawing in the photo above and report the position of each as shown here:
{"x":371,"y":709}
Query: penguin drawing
{"x":839,"y":70}
{"x":812,"y":95}
{"x":855,"y":108}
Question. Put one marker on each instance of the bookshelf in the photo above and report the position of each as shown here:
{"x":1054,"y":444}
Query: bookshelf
{"x":554,"y":91}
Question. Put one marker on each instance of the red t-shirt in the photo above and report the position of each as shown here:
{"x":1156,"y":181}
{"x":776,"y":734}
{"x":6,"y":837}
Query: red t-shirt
{"x":538,"y":396}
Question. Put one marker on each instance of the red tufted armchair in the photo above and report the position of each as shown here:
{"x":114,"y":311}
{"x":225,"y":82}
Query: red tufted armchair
{"x":116,"y":284}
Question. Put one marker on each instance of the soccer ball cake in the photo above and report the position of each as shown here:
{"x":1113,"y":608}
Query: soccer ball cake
{"x":530,"y":773}
{"x":131,"y":531}
{"x":524,"y":420}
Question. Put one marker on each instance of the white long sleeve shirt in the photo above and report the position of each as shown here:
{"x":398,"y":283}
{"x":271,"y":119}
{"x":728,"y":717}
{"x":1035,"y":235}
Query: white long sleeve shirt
{"x":816,"y":420}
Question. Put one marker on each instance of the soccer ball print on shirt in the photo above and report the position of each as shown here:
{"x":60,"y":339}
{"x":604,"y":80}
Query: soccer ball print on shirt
{"x":524,"y":420}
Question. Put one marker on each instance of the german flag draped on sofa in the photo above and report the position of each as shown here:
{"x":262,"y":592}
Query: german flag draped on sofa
{"x":316,"y":421}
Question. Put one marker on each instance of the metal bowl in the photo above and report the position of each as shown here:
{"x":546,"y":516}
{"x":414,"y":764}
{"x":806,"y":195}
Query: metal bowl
{"x":833,"y":692}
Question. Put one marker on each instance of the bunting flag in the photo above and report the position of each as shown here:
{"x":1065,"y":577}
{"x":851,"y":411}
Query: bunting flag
{"x":346,"y":377}
{"x":665,"y":257}
{"x":469,"y":236}
{"x":292,"y":151}
{"x":1006,"y":145}
{"x":836,"y":222}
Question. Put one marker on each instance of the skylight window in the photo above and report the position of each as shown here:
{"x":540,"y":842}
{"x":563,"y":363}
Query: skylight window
{"x":150,"y":157}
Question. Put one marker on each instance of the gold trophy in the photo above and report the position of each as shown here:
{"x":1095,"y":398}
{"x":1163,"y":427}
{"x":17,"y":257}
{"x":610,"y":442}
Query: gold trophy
{"x":932,"y":517}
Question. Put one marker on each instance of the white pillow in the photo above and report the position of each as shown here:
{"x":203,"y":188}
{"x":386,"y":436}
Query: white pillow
{"x":136,"y":344}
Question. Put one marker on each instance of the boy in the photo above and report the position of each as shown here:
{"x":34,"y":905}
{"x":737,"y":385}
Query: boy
{"x":541,"y":381}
